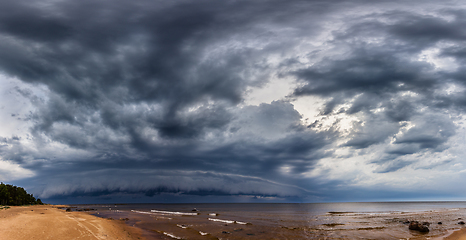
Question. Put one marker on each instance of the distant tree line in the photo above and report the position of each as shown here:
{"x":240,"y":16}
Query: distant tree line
{"x":16,"y":196}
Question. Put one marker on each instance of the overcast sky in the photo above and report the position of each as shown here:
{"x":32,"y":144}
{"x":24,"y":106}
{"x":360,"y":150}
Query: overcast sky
{"x":233,"y":101}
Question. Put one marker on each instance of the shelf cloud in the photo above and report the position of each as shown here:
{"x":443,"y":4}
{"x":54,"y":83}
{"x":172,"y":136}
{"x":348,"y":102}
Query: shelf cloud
{"x":152,"y":100}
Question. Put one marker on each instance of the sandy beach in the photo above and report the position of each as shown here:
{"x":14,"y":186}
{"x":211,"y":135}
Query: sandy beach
{"x":49,"y":222}
{"x":457,"y":235}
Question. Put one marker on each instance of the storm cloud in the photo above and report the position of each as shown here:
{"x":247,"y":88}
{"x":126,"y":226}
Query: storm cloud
{"x":260,"y":101}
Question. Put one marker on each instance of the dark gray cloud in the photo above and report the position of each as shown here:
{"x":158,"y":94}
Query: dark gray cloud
{"x":427,"y":30}
{"x":129,"y":97}
{"x":430,"y":132}
{"x":380,"y":76}
{"x":374,"y":131}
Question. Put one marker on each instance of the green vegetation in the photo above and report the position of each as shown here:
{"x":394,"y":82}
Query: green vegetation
{"x":16,"y":196}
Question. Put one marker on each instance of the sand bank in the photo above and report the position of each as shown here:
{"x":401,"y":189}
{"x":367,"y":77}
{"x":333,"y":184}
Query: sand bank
{"x":49,"y":222}
{"x":457,"y":235}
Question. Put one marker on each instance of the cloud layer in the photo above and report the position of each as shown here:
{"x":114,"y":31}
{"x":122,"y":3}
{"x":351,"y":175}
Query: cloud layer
{"x":148,"y":98}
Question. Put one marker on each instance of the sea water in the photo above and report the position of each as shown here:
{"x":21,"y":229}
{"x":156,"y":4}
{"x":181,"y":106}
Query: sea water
{"x":383,"y":220}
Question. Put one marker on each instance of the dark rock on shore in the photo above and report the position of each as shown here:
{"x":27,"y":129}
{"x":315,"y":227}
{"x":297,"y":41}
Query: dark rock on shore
{"x":86,"y":210}
{"x":296,"y":228}
{"x":421,"y":227}
{"x":462,"y":223}
{"x":439,"y":223}
{"x":333,"y":224}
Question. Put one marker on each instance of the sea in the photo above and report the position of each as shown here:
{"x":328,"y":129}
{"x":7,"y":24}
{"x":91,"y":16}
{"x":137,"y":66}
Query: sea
{"x":364,"y":220}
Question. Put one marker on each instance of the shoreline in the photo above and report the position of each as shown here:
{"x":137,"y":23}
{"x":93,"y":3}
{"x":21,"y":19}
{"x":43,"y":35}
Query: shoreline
{"x":179,"y":223}
{"x":51,"y":222}
{"x":456,"y":235}
{"x":169,"y":221}
{"x":54,"y":222}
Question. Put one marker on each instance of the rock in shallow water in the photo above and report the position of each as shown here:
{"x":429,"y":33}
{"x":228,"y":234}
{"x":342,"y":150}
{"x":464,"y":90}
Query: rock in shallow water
{"x":421,"y":227}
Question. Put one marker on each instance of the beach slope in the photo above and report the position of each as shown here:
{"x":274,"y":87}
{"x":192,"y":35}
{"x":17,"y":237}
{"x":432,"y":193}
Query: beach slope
{"x":49,"y":222}
{"x":457,"y":235}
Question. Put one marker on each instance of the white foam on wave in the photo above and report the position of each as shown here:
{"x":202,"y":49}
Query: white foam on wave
{"x":141,"y":212}
{"x":362,"y":213}
{"x":213,"y":214}
{"x":380,"y":213}
{"x":227,"y":221}
{"x":149,"y":213}
{"x":243,"y":223}
{"x":203,"y":233}
{"x":174,"y":213}
{"x":220,"y":220}
{"x":181,"y":226}
{"x":171,"y":235}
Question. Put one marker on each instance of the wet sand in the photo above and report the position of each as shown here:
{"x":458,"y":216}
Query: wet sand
{"x":457,"y":235}
{"x":50,"y":222}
